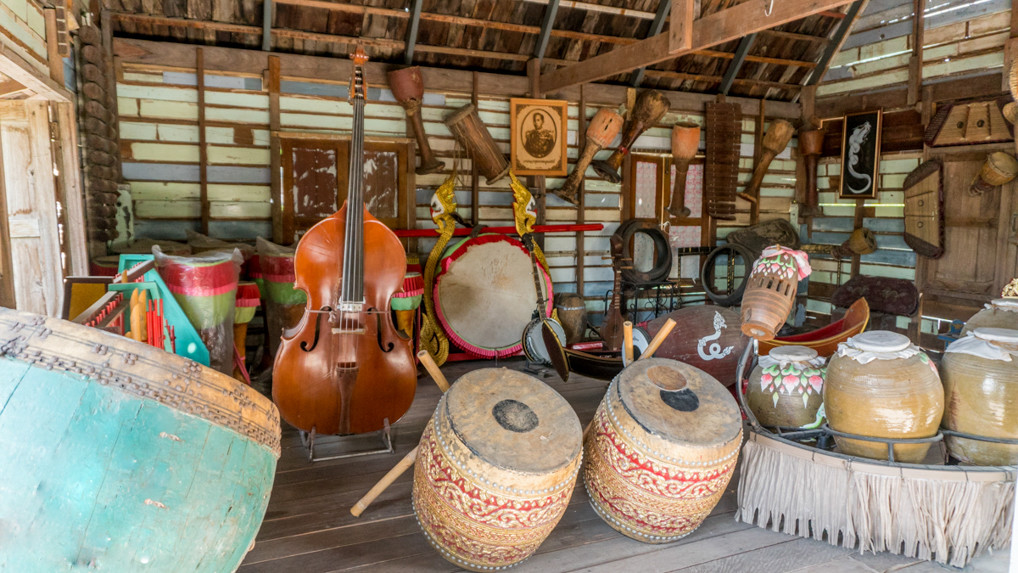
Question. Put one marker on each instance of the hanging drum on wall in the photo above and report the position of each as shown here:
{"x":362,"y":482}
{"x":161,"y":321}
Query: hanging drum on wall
{"x":408,"y":89}
{"x":650,"y":106}
{"x":467,"y":128}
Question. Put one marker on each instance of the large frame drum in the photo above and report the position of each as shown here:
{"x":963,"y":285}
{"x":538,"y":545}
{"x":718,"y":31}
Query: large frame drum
{"x":661,"y":449}
{"x":484,"y":294}
{"x":496,"y":468}
{"x":117,"y":456}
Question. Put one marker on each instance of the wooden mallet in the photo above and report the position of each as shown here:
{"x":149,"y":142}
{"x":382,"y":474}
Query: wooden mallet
{"x":408,"y":460}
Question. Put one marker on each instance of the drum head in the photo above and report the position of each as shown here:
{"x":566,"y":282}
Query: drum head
{"x":679,"y":403}
{"x":513,"y":421}
{"x":484,"y":294}
{"x":534,"y":347}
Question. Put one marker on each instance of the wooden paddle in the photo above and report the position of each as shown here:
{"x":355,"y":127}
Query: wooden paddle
{"x":408,"y":460}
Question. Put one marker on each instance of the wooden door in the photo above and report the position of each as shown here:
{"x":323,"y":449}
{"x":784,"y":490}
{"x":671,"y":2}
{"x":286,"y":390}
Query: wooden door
{"x":315,"y":181}
{"x":979,"y":257}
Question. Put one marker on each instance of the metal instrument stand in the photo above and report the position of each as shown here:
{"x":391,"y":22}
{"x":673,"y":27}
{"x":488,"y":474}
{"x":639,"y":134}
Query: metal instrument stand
{"x":307,"y":439}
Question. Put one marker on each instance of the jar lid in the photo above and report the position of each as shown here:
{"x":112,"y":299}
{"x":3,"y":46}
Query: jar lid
{"x":793,"y":353}
{"x":880,"y":341}
{"x":1005,"y":303}
{"x":1005,"y":335}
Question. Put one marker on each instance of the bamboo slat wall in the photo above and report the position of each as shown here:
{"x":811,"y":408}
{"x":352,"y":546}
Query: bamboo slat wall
{"x":961,"y":38}
{"x":23,"y":29}
{"x":158,"y":120}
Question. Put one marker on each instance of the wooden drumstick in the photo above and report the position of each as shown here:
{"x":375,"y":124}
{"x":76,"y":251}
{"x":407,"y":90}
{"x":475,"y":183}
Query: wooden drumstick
{"x":408,"y":460}
{"x":432,"y":368}
{"x":627,"y":338}
{"x":658,"y":339}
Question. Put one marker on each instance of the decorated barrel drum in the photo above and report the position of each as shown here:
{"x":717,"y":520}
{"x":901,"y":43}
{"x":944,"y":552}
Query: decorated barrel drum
{"x":661,"y":449}
{"x":770,"y":290}
{"x":881,"y":385}
{"x":786,"y":388}
{"x":1000,"y":313}
{"x":284,"y":304}
{"x":248,"y":300}
{"x":496,"y":468}
{"x":117,"y":456}
{"x":980,"y":374}
{"x":405,"y":302}
{"x":205,"y":286}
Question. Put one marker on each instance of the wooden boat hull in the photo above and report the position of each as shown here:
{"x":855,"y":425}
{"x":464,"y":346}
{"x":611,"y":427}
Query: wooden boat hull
{"x":825,"y":340}
{"x":116,"y":456}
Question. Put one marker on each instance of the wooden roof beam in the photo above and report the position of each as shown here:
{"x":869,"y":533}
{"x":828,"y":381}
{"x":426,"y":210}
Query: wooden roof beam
{"x":838,"y":40}
{"x":663,"y":8}
{"x":550,"y":11}
{"x":267,"y":25}
{"x":717,"y":28}
{"x":736,"y":64}
{"x":411,"y":34}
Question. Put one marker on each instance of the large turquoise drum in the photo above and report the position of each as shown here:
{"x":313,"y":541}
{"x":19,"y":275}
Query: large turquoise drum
{"x":116,"y":456}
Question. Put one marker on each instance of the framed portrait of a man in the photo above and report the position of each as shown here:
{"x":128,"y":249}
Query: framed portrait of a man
{"x":538,"y":140}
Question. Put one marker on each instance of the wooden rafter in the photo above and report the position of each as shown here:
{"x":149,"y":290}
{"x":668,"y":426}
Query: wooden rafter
{"x":411,"y":34}
{"x":838,"y":40}
{"x":736,"y":64}
{"x":717,"y":28}
{"x":267,"y":25}
{"x":663,"y":8}
{"x":550,"y":11}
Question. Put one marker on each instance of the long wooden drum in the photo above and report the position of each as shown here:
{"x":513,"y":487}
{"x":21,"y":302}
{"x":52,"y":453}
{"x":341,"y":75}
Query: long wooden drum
{"x":496,"y":468}
{"x":661,"y":449}
{"x":116,"y":456}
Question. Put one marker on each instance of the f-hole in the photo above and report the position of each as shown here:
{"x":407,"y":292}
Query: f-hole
{"x":322,"y":313}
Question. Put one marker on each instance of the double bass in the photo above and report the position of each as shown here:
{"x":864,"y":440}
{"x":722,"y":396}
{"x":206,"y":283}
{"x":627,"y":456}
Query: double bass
{"x":345,"y":369}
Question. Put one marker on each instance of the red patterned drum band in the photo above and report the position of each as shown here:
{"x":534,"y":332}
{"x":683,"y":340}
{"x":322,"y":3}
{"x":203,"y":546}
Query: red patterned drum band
{"x":643,"y":497}
{"x":474,"y":523}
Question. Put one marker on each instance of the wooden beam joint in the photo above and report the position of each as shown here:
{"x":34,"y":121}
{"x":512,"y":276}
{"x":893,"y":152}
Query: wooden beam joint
{"x":680,"y":33}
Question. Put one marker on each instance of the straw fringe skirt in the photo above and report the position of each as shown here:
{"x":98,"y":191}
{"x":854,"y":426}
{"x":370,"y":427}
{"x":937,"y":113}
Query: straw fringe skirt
{"x":949,"y":514}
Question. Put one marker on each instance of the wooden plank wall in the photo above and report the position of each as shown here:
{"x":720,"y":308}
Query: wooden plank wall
{"x":962,"y":38}
{"x":23,"y":28}
{"x":883,"y":215}
{"x":158,"y":118}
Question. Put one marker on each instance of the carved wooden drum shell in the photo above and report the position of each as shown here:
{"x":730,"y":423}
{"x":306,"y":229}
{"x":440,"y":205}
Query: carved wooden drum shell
{"x":496,"y":468}
{"x":769,"y":297}
{"x":116,"y":456}
{"x":661,"y":450}
{"x":706,"y":337}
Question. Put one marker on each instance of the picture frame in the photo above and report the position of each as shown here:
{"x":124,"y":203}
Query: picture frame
{"x":537,"y":142}
{"x":860,"y":155}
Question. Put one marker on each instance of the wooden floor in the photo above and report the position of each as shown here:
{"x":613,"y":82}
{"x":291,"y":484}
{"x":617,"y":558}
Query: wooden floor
{"x":308,"y":527}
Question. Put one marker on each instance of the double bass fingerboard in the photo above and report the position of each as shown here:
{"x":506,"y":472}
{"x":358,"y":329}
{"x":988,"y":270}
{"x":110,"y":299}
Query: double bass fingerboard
{"x":352,"y":295}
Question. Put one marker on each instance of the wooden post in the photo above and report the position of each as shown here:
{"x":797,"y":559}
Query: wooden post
{"x":202,"y":150}
{"x":1010,"y":49}
{"x":758,"y":135}
{"x":275,"y":177}
{"x":581,"y":249}
{"x":7,"y":294}
{"x":915,"y":62}
{"x":56,"y":63}
{"x":475,"y":191}
{"x":536,"y":182}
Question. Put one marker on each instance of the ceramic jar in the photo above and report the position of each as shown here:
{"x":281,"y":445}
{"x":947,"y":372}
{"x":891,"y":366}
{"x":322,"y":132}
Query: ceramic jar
{"x":881,"y":385}
{"x":1000,"y":313}
{"x":786,"y":388}
{"x":980,"y":375}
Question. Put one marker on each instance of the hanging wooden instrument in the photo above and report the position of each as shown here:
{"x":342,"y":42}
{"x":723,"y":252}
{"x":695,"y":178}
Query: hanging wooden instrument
{"x":344,"y":369}
{"x":999,"y":169}
{"x":924,"y":210}
{"x":467,"y":128}
{"x":721,"y":171}
{"x":408,"y":89}
{"x":611,"y":329}
{"x":602,"y":130}
{"x":685,"y":142}
{"x":811,"y":144}
{"x":774,"y":142}
{"x":650,"y":106}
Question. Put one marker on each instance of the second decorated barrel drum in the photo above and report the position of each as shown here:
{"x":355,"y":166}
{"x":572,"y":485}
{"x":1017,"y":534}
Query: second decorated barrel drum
{"x":881,"y":385}
{"x":496,"y":468}
{"x":980,"y":374}
{"x":786,"y":388}
{"x":661,"y":449}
